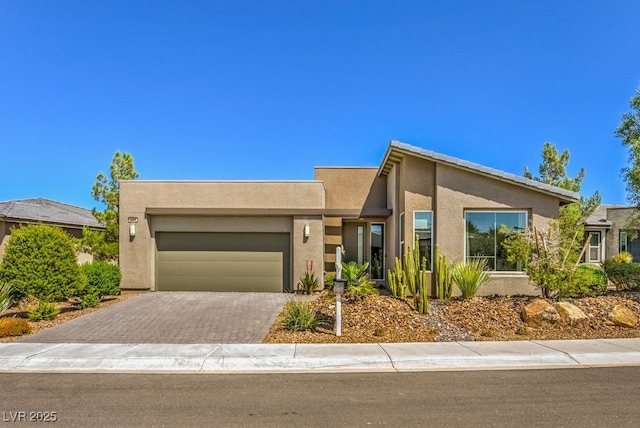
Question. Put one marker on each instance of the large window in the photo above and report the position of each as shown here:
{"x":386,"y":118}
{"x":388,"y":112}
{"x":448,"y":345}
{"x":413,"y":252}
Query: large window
{"x":422,"y":229}
{"x":486,"y":230}
{"x":630,"y":242}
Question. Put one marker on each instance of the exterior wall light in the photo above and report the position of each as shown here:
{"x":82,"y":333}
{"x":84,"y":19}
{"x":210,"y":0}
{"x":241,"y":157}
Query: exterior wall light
{"x":132,"y":226}
{"x":306,"y":230}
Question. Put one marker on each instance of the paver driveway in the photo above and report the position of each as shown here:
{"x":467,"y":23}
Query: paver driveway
{"x":173,"y":317}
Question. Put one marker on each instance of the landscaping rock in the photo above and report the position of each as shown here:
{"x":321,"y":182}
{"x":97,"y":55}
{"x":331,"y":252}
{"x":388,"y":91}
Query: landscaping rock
{"x":539,"y":313}
{"x":570,"y":313}
{"x":623,"y":316}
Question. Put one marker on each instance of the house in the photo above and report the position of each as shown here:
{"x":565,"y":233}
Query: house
{"x":608,"y":233}
{"x":70,"y":218}
{"x":263,"y":235}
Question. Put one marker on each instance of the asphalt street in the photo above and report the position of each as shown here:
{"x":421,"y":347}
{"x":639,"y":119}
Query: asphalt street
{"x":586,"y":397}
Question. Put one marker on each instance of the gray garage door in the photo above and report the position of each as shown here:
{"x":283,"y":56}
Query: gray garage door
{"x":188,"y":261}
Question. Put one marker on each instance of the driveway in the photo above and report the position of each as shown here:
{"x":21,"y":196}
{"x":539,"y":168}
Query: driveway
{"x":173,"y":317}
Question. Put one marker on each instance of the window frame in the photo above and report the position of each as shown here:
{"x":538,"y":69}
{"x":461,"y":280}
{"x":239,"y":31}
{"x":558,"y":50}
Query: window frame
{"x":430,"y":261}
{"x":492,"y":268}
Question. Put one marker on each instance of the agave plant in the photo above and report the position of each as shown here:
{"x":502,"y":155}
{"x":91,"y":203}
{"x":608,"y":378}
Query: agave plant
{"x":6,"y":299}
{"x":469,"y":276}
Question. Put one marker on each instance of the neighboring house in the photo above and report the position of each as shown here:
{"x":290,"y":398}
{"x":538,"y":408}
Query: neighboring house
{"x":260,"y":235}
{"x":21,"y":212}
{"x":608,"y":233}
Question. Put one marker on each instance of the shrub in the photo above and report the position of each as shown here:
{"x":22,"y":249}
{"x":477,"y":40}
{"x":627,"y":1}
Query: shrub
{"x":90,"y":300}
{"x":363,"y":287}
{"x":44,"y":311}
{"x":591,"y":280}
{"x":625,"y":276}
{"x":309,"y":282}
{"x":299,"y":316}
{"x":40,"y":260}
{"x":469,"y":276}
{"x":14,"y":327}
{"x":623,"y":257}
{"x":103,"y":278}
{"x":6,"y":296}
{"x":329,"y":279}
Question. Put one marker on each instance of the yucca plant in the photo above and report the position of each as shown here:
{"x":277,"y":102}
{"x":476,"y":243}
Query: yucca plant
{"x":469,"y":276}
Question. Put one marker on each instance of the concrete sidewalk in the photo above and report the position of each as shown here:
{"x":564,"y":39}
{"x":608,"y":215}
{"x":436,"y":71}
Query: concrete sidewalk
{"x":268,"y":358}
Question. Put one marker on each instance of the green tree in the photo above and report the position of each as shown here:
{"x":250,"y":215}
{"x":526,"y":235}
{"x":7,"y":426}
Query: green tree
{"x":106,"y":190}
{"x":553,"y":169}
{"x":629,"y":132}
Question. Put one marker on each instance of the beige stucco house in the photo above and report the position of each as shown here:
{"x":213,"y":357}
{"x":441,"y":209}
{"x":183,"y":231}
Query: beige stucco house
{"x":263,"y":235}
{"x":609,"y":232}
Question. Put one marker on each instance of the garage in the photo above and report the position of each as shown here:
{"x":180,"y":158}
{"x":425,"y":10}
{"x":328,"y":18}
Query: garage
{"x":222,"y":261}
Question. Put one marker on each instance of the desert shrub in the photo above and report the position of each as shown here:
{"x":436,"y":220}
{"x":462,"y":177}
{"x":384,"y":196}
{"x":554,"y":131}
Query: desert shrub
{"x":329,"y":279}
{"x":6,"y":296}
{"x":103,"y":278}
{"x":40,"y":260}
{"x":14,"y":327}
{"x":592,"y":280}
{"x":90,"y":300}
{"x":620,"y":258}
{"x":364,"y":287}
{"x":309,"y":282}
{"x":44,"y":311}
{"x":469,"y":276}
{"x":625,"y":276}
{"x":299,"y":316}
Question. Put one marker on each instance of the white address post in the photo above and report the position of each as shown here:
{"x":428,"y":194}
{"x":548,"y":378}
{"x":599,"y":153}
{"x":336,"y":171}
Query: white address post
{"x":338,"y":289}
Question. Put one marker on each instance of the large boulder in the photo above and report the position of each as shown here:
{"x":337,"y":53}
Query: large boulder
{"x":570,"y":313}
{"x":539,"y":312}
{"x":622,"y":316}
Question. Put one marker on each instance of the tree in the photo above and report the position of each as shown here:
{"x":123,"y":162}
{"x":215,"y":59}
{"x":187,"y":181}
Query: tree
{"x":104,"y":244}
{"x":553,"y":169}
{"x":629,"y":132}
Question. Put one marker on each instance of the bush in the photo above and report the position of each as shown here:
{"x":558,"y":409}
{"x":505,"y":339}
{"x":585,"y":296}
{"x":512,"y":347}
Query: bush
{"x":44,"y":311}
{"x":625,"y":276}
{"x":14,"y":327}
{"x":299,"y":316}
{"x":103,"y":278}
{"x":623,"y":257}
{"x":40,"y":260}
{"x":591,"y":280}
{"x":469,"y":276}
{"x":90,"y":300}
{"x":356,"y":279}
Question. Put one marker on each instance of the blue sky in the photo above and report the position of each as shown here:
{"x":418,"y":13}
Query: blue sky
{"x":270,"y":89}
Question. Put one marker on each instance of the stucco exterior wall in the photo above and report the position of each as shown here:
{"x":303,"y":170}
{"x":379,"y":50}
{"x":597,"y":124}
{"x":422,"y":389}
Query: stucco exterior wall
{"x":137,"y":254}
{"x":353,"y":188}
{"x":459,"y":190}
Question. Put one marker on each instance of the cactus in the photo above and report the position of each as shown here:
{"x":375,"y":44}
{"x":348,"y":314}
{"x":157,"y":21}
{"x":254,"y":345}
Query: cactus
{"x":442,"y":271}
{"x":411,"y":275}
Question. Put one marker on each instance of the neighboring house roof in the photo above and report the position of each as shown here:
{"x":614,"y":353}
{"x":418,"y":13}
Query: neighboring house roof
{"x":47,"y":211}
{"x":397,"y":150}
{"x":599,"y":217}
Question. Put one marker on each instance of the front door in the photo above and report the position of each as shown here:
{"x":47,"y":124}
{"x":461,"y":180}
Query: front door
{"x":364,"y":242}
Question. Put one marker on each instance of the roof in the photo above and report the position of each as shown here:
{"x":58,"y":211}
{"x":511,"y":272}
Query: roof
{"x":599,"y":216}
{"x":47,"y":211}
{"x":397,"y":151}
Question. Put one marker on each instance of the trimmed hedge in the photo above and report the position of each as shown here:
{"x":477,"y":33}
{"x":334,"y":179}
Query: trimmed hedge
{"x":625,"y":276}
{"x":592,"y":280}
{"x":40,"y":260}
